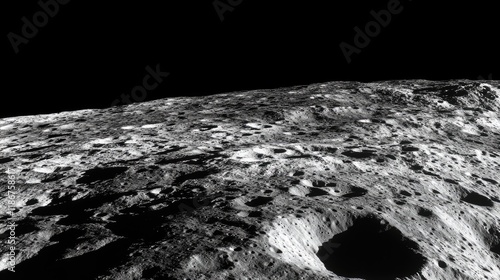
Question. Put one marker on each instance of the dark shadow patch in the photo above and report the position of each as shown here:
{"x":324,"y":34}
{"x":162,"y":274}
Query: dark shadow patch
{"x":76,"y":210}
{"x":36,"y":149}
{"x":300,"y":156}
{"x":279,"y":151}
{"x":261,"y":200}
{"x":355,"y":192}
{"x":409,"y":149}
{"x":324,"y":149}
{"x":194,"y":175}
{"x":140,"y":223}
{"x":48,"y":262}
{"x":442,"y":264}
{"x":371,"y":250}
{"x":32,"y":201}
{"x":5,"y":160}
{"x":24,"y":226}
{"x":249,"y":228}
{"x":170,"y":150}
{"x":53,"y":177}
{"x":496,"y":249}
{"x":319,"y":183}
{"x":147,"y":226}
{"x":316,"y":192}
{"x":477,"y":199}
{"x":490,"y":181}
{"x":405,"y":193}
{"x":150,"y":272}
{"x":431,"y":174}
{"x":255,"y":214}
{"x":194,"y":159}
{"x":100,"y":174}
{"x":451,"y":181}
{"x":58,"y":135}
{"x":391,"y":157}
{"x":425,"y":212}
{"x":207,"y":127}
{"x":362,"y":154}
{"x":76,"y":218}
{"x":416,"y":167}
{"x":298,"y":173}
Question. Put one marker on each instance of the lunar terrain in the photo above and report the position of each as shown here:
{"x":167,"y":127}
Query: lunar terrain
{"x":340,"y":180}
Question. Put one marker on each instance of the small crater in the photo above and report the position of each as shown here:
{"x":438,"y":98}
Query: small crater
{"x":416,"y":167}
{"x":405,"y":193}
{"x":261,"y":200}
{"x":425,"y":212}
{"x":316,"y":192}
{"x":442,"y":264}
{"x":319,"y":183}
{"x":355,"y":192}
{"x":279,"y":151}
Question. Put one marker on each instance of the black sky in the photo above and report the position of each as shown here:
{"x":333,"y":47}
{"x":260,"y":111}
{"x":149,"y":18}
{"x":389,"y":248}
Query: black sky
{"x":89,"y":53}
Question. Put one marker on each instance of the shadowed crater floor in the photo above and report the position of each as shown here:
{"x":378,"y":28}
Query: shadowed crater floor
{"x":371,"y":249}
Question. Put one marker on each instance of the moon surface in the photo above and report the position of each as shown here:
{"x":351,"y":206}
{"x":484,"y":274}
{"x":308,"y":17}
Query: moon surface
{"x":340,"y":180}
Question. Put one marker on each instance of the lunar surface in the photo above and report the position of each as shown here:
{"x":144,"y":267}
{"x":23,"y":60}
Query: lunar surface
{"x":341,"y":180}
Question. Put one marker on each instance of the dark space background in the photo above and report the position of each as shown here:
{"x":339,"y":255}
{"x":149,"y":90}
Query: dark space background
{"x":91,"y":52}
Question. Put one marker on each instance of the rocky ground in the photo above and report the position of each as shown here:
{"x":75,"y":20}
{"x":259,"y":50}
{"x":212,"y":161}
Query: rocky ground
{"x":342,"y":180}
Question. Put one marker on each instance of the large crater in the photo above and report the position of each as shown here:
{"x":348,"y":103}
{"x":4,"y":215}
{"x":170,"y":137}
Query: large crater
{"x":365,"y":247}
{"x":371,"y":249}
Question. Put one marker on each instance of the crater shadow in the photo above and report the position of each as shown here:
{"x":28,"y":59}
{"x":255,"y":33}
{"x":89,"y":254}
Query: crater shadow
{"x":371,"y":249}
{"x":477,"y":199}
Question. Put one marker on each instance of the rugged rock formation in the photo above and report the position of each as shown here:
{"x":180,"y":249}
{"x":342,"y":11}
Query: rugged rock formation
{"x":389,"y":180}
